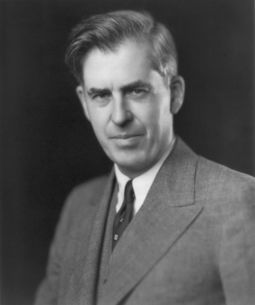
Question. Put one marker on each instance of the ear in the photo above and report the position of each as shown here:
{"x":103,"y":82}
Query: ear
{"x":177,"y":87}
{"x":81,"y":95}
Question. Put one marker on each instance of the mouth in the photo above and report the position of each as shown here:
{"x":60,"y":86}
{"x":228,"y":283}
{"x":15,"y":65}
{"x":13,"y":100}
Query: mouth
{"x":125,"y":136}
{"x":127,"y":140}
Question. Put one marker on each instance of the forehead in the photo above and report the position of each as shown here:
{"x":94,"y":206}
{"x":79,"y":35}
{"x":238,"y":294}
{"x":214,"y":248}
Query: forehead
{"x":130,"y":61}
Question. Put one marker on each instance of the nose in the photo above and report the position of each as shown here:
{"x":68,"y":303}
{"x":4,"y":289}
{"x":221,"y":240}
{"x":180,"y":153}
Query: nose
{"x":121,"y":113}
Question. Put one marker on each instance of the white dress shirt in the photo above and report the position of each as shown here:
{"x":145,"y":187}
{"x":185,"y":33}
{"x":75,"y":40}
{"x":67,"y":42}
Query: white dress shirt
{"x":141,"y":184}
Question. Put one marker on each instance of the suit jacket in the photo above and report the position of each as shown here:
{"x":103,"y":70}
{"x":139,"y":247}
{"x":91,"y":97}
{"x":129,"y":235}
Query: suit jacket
{"x":192,"y":242}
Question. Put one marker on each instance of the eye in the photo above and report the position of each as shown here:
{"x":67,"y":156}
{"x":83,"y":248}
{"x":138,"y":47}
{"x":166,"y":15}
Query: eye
{"x":138,"y":92}
{"x":104,"y":95}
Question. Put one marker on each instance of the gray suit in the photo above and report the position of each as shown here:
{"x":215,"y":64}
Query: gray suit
{"x":192,"y":242}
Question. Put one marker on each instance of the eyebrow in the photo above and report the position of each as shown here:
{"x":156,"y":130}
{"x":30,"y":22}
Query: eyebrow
{"x":136,"y":84}
{"x":125,"y":88}
{"x":94,"y":91}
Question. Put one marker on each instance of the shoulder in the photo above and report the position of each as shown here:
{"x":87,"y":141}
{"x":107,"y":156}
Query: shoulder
{"x":89,"y":190}
{"x":224,"y":187}
{"x":82,"y":202}
{"x":213,"y":180}
{"x":87,"y":194}
{"x":213,"y":175}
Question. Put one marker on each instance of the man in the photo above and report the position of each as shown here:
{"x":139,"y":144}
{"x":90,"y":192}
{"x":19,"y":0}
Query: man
{"x":166,"y":226}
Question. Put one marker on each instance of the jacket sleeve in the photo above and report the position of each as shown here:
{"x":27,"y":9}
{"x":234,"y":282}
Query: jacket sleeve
{"x":74,"y":227}
{"x":47,"y":293}
{"x":237,"y":250}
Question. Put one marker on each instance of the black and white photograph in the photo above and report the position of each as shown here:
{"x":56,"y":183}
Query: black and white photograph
{"x":127,"y":153}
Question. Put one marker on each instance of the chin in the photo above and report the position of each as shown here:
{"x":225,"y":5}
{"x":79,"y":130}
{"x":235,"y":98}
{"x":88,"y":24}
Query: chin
{"x":127,"y":163}
{"x":130,"y":167}
{"x":129,"y":160}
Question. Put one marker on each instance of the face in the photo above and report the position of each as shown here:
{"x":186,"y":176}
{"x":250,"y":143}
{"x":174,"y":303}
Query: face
{"x":129,"y":105}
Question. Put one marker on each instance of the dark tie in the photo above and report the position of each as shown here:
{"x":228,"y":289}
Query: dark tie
{"x":125,"y":214}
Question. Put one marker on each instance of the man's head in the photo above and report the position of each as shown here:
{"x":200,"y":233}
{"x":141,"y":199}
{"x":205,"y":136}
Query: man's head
{"x":126,"y":67}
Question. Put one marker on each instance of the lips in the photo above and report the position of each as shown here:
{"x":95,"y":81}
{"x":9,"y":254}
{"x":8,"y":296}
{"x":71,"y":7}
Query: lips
{"x":125,"y":136}
{"x":126,"y":140}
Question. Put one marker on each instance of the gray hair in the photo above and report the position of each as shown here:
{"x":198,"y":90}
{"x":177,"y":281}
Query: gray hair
{"x":107,"y":31}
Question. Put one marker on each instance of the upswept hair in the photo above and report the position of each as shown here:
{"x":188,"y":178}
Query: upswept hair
{"x":108,"y":31}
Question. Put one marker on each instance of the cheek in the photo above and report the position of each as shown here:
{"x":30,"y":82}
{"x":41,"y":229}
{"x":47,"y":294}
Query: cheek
{"x":98,"y":122}
{"x":158,"y":121}
{"x":150,"y":116}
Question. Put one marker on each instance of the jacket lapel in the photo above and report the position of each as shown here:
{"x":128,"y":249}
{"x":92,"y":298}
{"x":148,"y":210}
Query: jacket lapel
{"x":107,"y":243}
{"x":87,"y":274}
{"x":166,"y":214}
